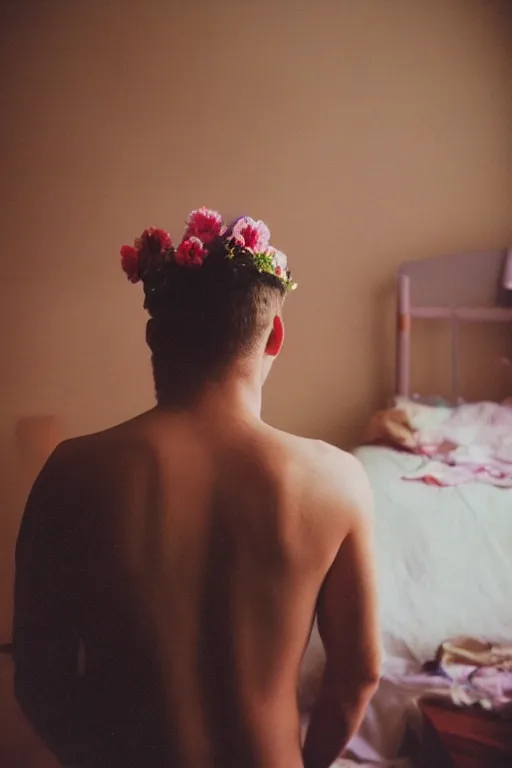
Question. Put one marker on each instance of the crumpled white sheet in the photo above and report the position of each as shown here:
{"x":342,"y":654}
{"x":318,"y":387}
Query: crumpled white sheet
{"x":444,"y":562}
{"x":473,"y":443}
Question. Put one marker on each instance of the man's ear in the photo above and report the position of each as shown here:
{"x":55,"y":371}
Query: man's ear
{"x":276,"y":338}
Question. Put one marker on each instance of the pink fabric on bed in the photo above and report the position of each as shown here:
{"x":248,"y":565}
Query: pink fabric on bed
{"x":473,"y":444}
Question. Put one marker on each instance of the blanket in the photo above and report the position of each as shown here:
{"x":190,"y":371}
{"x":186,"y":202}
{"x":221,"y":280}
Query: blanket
{"x":468,"y":443}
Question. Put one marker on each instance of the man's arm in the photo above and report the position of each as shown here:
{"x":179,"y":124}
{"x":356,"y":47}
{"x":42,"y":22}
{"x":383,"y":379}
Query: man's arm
{"x":348,"y":626}
{"x":44,"y":644}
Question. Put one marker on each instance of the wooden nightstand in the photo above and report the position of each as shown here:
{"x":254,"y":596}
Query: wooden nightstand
{"x":463,"y":738}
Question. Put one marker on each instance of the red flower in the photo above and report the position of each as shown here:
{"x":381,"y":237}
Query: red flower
{"x":190,"y":253}
{"x":204,"y":224}
{"x":159,"y":236}
{"x":130,"y":262}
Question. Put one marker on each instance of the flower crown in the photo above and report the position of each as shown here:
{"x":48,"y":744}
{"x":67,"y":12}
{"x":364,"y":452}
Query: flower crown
{"x":247,"y":241}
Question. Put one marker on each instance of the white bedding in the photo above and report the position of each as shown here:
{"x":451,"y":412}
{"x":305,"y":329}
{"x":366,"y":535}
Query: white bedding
{"x":444,"y":559}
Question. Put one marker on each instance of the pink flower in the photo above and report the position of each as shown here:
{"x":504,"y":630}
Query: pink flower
{"x":204,"y":224}
{"x":159,"y":236}
{"x":190,"y":252}
{"x":130,"y":262}
{"x":251,"y":234}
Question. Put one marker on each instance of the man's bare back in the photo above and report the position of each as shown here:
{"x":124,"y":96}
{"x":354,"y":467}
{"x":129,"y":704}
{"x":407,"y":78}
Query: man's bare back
{"x":169,"y":570}
{"x":197,"y":557}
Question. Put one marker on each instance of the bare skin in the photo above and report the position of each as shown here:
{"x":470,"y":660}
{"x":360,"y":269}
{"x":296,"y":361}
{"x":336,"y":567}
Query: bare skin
{"x":168,"y":574}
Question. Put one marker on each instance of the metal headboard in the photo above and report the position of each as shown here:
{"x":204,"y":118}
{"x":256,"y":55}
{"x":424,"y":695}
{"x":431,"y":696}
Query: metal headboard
{"x":461,"y":287}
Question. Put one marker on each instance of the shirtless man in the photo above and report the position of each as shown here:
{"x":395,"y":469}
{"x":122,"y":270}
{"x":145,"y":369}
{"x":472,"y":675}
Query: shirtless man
{"x":169,"y":570}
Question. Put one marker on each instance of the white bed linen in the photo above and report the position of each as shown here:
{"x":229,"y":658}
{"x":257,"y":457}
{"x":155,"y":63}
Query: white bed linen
{"x":444,"y":557}
{"x":444,"y":560}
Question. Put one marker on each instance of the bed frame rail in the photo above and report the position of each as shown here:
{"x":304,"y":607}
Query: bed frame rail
{"x":463,"y":287}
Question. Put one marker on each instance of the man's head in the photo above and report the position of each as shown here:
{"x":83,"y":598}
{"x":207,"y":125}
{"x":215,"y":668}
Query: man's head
{"x":214,"y":302}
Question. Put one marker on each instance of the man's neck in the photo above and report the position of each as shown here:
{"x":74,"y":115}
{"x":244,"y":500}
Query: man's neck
{"x":239,"y":392}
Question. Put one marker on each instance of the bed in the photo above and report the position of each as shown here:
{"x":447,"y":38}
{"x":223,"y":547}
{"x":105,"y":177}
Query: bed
{"x":444,"y":554}
{"x":445,"y":551}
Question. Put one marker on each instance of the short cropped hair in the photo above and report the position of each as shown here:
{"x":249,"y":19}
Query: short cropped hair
{"x":204,"y":319}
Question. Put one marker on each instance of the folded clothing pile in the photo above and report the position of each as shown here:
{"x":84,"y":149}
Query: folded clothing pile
{"x":479,"y":673}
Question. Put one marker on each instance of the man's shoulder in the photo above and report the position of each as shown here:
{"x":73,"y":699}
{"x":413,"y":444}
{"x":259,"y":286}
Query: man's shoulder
{"x":68,"y":450}
{"x":320,"y":457}
{"x":342,"y":478}
{"x":327,"y":472}
{"x":76,"y":449}
{"x":72,"y":454}
{"x":55,"y":470}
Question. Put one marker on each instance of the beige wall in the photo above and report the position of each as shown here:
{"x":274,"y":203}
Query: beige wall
{"x":364,"y":132}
